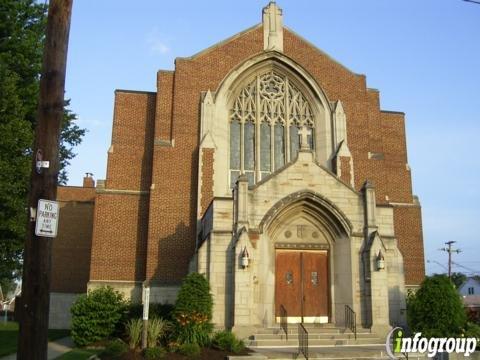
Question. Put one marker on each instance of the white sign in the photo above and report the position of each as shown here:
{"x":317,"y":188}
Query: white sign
{"x":47,"y":218}
{"x":146,"y":302}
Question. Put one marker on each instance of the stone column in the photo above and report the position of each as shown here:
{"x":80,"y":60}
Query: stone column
{"x":376,"y":280}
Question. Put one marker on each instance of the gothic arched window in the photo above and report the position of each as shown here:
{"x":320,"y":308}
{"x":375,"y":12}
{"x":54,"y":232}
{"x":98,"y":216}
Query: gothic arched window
{"x":264,"y":122}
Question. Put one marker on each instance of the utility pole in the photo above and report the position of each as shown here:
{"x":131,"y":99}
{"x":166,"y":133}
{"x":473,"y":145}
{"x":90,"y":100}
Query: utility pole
{"x":450,"y":250}
{"x":35,"y":298}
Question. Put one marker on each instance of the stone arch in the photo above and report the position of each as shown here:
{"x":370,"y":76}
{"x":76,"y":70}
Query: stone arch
{"x":321,"y":208}
{"x":218,"y":109}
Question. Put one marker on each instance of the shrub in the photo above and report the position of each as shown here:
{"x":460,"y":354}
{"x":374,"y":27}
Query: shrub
{"x":436,"y":309}
{"x":157,"y":328}
{"x":115,"y":348}
{"x":164,"y":311}
{"x":154,"y":353}
{"x":134,"y":332}
{"x":193,"y":311}
{"x":226,"y":341}
{"x":96,"y":314}
{"x":190,"y":350}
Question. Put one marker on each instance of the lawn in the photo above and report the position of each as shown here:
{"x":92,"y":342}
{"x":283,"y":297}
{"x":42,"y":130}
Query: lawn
{"x":9,"y":337}
{"x":78,"y":354}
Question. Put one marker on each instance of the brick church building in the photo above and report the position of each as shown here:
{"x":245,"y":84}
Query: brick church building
{"x":264,"y":164}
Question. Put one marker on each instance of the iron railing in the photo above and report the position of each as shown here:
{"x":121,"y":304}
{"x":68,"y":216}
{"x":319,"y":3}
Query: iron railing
{"x":284,"y":320}
{"x":302,"y":340}
{"x":351,"y":320}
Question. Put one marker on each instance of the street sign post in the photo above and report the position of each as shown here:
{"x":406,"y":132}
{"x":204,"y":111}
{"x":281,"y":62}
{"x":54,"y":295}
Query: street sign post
{"x":47,"y":218}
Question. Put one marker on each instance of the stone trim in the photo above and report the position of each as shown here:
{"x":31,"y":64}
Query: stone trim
{"x":302,"y":246}
{"x":134,"y":91}
{"x":123,"y":192}
{"x":162,"y":142}
{"x":395,"y":204}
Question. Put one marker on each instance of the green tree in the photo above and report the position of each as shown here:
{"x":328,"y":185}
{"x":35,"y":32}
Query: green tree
{"x":193,"y":310}
{"x":22,"y":35}
{"x":436,"y":309}
{"x":458,"y":279}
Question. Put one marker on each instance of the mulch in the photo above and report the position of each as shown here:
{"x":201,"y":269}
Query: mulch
{"x":206,"y":354}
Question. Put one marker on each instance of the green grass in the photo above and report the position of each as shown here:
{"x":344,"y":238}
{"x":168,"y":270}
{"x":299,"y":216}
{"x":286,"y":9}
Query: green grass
{"x":78,"y":354}
{"x":9,"y":337}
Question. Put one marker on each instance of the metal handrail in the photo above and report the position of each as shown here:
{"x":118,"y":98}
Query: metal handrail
{"x":284,"y":320}
{"x":351,"y":320}
{"x":302,"y":340}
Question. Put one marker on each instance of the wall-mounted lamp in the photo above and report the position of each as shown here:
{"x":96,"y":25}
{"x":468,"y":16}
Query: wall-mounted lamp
{"x":380,"y":262}
{"x":245,"y":259}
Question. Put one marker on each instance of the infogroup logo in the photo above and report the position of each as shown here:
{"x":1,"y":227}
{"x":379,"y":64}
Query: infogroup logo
{"x":396,"y":343}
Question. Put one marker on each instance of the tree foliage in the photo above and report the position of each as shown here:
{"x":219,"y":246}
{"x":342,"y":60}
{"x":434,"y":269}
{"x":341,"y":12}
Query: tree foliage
{"x":193,"y":310}
{"x":436,"y":309}
{"x":22,"y":35}
{"x":458,"y":279}
{"x":96,"y":315}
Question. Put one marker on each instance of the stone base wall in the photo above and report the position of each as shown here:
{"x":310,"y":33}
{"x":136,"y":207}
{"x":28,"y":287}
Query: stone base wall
{"x":60,"y":304}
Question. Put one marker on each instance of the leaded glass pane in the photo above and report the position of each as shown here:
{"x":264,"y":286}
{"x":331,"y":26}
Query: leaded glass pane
{"x":250,"y":177}
{"x":235,"y":144}
{"x":294,"y":142}
{"x":279,"y":146}
{"x":234,"y":174}
{"x":264,"y":174}
{"x":249,"y":146}
{"x":265,"y":147}
{"x":311,"y":138}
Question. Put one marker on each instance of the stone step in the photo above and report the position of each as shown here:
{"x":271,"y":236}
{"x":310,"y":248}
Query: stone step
{"x":364,"y":352}
{"x":293,"y":329}
{"x":293,"y":342}
{"x":282,"y":336}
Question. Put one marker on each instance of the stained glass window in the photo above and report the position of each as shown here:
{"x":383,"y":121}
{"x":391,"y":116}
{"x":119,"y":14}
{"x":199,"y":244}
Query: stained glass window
{"x":294,"y":141}
{"x":266,"y":100}
{"x":279,"y":145}
{"x":265,"y":147}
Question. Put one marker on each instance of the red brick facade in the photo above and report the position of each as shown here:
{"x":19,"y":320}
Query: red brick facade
{"x":146,"y":214}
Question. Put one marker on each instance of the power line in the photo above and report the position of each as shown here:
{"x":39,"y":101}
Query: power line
{"x":438,"y":263}
{"x":473,"y":1}
{"x":466,"y":268}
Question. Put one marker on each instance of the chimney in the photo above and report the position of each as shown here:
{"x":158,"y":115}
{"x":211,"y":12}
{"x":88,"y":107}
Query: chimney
{"x":88,"y":181}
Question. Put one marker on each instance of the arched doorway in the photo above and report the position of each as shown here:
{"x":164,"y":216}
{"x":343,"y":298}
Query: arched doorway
{"x":310,"y":252}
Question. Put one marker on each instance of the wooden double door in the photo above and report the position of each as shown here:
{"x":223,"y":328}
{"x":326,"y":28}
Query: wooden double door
{"x":301,"y":284}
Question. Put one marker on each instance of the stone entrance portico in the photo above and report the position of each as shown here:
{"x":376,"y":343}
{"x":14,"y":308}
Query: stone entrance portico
{"x":303,"y":206}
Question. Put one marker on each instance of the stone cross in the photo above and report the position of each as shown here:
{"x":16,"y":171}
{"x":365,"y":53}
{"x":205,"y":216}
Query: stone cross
{"x":304,"y":138}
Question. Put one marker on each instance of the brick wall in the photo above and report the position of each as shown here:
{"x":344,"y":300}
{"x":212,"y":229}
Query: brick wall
{"x":119,"y":237}
{"x":71,"y":249}
{"x":121,"y":212}
{"x":408,"y":230}
{"x":207,"y":179}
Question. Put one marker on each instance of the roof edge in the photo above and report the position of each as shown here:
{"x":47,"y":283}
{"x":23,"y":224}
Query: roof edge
{"x":220,"y":43}
{"x":322,"y":52}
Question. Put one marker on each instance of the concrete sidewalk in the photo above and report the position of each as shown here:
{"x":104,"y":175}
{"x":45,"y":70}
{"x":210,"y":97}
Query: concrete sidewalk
{"x":55,"y":349}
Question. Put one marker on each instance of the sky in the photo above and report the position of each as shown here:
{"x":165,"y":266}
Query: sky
{"x":423,"y":56}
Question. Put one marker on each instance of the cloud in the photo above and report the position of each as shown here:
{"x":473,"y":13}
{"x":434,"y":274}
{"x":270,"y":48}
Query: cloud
{"x":157,"y":43}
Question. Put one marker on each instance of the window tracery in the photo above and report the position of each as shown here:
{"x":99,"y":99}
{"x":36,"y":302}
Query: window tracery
{"x":264,"y":122}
